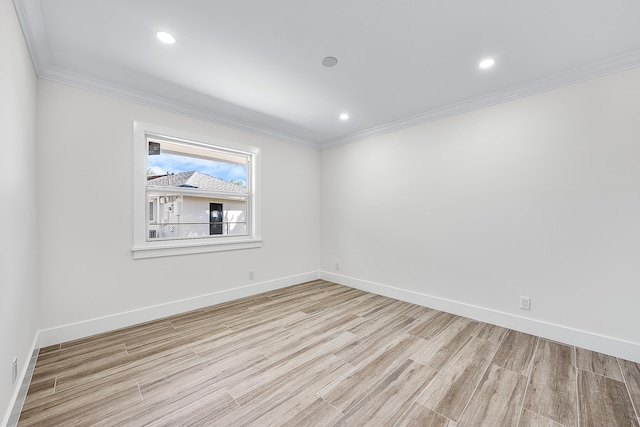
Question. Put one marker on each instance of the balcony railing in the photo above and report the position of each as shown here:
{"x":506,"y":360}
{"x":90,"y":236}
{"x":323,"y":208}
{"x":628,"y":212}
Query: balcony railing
{"x":195,"y":230}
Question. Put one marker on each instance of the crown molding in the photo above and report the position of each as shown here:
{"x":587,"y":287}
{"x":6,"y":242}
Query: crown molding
{"x":140,"y":97}
{"x":555,"y":81}
{"x":30,"y":18}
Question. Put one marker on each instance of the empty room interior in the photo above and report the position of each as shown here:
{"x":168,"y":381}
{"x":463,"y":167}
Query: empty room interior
{"x":320,"y":213}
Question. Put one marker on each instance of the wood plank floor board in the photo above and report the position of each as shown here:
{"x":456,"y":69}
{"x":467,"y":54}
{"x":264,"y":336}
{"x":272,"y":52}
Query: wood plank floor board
{"x":417,"y":311}
{"x":381,"y":313}
{"x":453,"y":387}
{"x":604,"y":402}
{"x":174,"y":338}
{"x":39,"y":392}
{"x":223,"y":352}
{"x":497,"y":401}
{"x":323,"y":323}
{"x":357,"y":351}
{"x":366,"y":305}
{"x":319,"y":354}
{"x":201,"y":401}
{"x":516,"y":352}
{"x":421,"y":416}
{"x":388,"y":401}
{"x":104,"y":343}
{"x":552,"y":386}
{"x":236,"y":341}
{"x":49,"y":349}
{"x":238,"y":304}
{"x":272,"y":321}
{"x":431,"y":327}
{"x":282,"y":368}
{"x":199,"y":413}
{"x":598,"y":363}
{"x":163,"y":367}
{"x":82,"y":407}
{"x":215,"y":375}
{"x":174,"y":409}
{"x":120,"y":370}
{"x":348,"y":391}
{"x":212,"y":323}
{"x":305,"y":343}
{"x":217,"y":317}
{"x":532,"y":419}
{"x":389,"y":308}
{"x":631,"y":375}
{"x":334,"y":298}
{"x":80,"y":369}
{"x":316,"y":413}
{"x":243,"y":303}
{"x":280,"y":307}
{"x":188,"y":317}
{"x":490,"y":332}
{"x":93,"y":360}
{"x":381,"y":326}
{"x":317,"y":286}
{"x":318,"y":306}
{"x":276,"y":398}
{"x":208,"y":376}
{"x":279,"y":346}
{"x":437,"y":351}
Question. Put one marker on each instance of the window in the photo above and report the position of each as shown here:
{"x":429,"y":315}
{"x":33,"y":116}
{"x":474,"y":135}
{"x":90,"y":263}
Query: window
{"x":152,"y":210}
{"x":193,"y":193}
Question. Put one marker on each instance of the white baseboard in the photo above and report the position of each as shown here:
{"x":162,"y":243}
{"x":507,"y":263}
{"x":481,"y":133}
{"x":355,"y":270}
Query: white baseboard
{"x":121,"y":320}
{"x":579,"y":338}
{"x":13,"y":412}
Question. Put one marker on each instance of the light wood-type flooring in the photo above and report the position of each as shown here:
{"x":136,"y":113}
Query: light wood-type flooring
{"x":320,"y":354}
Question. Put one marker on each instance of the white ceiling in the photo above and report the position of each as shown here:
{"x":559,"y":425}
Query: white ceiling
{"x":256,"y":65}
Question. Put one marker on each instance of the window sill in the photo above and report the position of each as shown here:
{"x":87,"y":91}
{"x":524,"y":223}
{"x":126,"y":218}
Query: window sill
{"x":163,"y":249}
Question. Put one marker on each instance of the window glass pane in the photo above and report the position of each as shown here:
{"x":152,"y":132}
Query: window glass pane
{"x":210,"y":197}
{"x":166,"y":158}
{"x":191,"y":217}
{"x":152,"y":211}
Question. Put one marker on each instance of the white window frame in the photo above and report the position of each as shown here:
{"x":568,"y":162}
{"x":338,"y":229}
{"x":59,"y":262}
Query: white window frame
{"x":142,"y":246}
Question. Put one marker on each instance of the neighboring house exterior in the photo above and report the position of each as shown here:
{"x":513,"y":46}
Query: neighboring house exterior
{"x":180,"y":215}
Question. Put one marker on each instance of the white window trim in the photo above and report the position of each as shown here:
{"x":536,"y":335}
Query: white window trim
{"x":142,"y":248}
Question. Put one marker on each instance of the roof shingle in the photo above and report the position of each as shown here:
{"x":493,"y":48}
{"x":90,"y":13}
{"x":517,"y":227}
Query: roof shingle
{"x":194,"y":179}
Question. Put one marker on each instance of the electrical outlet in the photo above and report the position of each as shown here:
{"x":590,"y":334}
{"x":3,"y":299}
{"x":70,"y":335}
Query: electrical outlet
{"x":525,"y":303}
{"x":337,"y":266}
{"x":14,"y":370}
{"x":250,"y":274}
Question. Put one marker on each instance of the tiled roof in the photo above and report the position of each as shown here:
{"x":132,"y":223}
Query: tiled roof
{"x":195,"y":179}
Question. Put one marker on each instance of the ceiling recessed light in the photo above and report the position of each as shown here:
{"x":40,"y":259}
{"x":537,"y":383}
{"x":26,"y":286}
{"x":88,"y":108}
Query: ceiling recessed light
{"x":487,"y":63}
{"x":344,"y":116}
{"x":165,"y":37}
{"x":329,"y":61}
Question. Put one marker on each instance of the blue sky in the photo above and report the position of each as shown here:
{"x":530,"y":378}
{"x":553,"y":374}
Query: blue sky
{"x":172,"y":163}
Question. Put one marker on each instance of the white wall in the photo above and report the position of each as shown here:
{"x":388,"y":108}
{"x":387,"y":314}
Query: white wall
{"x":85,"y":154}
{"x":537,"y":197}
{"x":18,"y":248}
